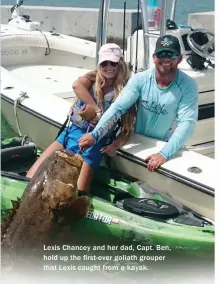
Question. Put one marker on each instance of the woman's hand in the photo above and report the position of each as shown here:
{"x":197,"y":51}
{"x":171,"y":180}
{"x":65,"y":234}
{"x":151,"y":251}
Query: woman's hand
{"x":110,"y":150}
{"x":96,"y":119}
{"x":89,"y":114}
{"x":86,"y":141}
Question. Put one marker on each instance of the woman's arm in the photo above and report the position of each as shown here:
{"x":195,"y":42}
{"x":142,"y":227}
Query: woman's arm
{"x":81,"y":87}
{"x":111,"y":149}
{"x":120,"y":140}
{"x":122,"y":104}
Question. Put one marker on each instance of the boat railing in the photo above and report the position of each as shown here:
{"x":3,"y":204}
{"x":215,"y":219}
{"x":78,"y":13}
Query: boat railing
{"x":162,"y":28}
{"x":103,"y":22}
{"x":173,"y":10}
{"x":102,"y":25}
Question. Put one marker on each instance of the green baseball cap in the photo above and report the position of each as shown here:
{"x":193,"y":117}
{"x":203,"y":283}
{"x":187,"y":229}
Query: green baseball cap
{"x":168,"y":43}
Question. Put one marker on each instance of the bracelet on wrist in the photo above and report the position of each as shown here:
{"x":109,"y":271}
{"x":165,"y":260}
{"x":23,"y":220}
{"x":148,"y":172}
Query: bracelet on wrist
{"x":98,"y":114}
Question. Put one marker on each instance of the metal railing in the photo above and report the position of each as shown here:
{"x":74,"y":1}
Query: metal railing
{"x":102,"y":25}
{"x":103,"y":22}
{"x":146,"y":34}
{"x":173,"y":10}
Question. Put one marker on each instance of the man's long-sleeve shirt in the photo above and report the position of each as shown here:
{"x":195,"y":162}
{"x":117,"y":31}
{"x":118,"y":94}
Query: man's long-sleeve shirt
{"x":158,"y":109}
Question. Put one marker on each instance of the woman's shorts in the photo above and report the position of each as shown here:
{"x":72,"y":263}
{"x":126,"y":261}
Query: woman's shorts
{"x":91,"y":155}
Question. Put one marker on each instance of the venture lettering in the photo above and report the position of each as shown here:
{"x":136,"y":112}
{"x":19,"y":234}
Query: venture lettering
{"x":99,"y":217}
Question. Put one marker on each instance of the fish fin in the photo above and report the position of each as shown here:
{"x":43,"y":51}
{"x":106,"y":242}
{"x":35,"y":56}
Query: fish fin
{"x":80,"y":206}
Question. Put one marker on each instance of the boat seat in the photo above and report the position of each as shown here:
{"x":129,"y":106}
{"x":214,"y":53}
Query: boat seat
{"x":53,"y":79}
{"x":163,"y":211}
{"x":67,"y":96}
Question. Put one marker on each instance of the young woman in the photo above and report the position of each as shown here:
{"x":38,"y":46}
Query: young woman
{"x":95,"y":92}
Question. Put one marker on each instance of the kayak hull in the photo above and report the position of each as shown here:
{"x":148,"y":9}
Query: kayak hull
{"x":106,"y":221}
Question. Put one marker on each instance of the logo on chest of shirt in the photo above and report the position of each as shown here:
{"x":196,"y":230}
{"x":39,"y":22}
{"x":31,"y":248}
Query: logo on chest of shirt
{"x":154,"y":107}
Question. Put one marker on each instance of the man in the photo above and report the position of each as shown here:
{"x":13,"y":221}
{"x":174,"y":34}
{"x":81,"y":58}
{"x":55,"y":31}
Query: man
{"x":164,"y":95}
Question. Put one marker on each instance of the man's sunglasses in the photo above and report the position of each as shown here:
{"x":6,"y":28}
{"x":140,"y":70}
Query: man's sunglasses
{"x":167,"y":54}
{"x":105,"y":63}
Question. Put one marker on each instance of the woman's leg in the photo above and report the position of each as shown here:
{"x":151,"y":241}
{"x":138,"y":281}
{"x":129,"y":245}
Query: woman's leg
{"x":85,"y":178}
{"x":92,"y":159}
{"x":55,"y":146}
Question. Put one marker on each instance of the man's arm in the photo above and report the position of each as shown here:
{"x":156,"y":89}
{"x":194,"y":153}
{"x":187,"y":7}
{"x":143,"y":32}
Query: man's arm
{"x":186,"y":119}
{"x":125,"y":100}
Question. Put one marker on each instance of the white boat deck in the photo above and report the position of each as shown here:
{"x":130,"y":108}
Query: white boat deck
{"x":142,"y":147}
{"x":53,"y":79}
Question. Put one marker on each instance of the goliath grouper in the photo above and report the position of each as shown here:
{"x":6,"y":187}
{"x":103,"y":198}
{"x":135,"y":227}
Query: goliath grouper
{"x":50,"y":195}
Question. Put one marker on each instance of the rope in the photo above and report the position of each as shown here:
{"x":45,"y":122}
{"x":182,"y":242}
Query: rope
{"x":48,"y":51}
{"x":23,"y":140}
{"x":21,"y":97}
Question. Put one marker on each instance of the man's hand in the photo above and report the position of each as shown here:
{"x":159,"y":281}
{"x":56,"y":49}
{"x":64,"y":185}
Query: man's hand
{"x":86,"y":141}
{"x":155,"y":161}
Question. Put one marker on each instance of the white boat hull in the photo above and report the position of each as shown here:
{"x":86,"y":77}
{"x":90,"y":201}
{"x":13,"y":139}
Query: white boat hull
{"x":45,"y":72}
{"x":194,"y":199}
{"x":49,"y":128}
{"x":31,"y":125}
{"x":188,"y":177}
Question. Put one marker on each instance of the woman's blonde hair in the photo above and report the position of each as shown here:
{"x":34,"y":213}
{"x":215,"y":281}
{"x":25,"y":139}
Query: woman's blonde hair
{"x":121,"y":79}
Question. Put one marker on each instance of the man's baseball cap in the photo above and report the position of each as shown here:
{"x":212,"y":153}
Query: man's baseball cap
{"x":168,"y":43}
{"x":110,"y":52}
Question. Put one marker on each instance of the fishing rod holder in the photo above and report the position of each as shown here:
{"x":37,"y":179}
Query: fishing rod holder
{"x":21,"y":21}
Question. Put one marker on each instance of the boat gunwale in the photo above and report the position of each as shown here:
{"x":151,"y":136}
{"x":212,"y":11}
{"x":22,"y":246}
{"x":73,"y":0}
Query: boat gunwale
{"x":121,"y":153}
{"x":168,"y":173}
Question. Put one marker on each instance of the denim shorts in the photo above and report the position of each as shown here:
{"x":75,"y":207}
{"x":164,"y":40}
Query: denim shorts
{"x":91,"y":155}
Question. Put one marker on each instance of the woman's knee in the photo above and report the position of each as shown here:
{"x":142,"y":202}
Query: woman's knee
{"x":55,"y":146}
{"x":84,"y":185}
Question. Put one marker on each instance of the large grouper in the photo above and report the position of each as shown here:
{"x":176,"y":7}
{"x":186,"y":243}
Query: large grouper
{"x":50,"y":198}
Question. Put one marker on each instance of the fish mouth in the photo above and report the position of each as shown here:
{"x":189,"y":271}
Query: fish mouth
{"x":70,"y":158}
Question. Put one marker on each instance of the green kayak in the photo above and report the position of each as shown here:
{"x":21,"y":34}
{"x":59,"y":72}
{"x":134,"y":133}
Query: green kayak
{"x":128,"y":210}
{"x":116,"y":213}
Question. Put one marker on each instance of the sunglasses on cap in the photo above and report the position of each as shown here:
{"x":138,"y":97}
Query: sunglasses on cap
{"x":167,"y":54}
{"x":105,"y":63}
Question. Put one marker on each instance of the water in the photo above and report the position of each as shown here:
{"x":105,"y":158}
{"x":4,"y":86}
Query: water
{"x":183,"y":7}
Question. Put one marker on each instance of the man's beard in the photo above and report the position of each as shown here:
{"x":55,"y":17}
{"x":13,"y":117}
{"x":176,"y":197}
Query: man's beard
{"x":163,"y":70}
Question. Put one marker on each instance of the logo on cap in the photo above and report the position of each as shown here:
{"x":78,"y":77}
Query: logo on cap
{"x":113,"y":49}
{"x":166,"y":42}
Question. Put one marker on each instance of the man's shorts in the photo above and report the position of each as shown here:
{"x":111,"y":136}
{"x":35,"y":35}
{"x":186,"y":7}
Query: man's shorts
{"x":91,"y":155}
